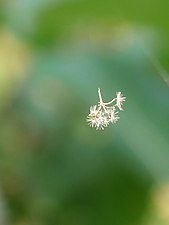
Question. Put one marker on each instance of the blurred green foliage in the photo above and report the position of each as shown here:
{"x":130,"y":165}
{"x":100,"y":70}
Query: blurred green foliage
{"x":55,"y":169}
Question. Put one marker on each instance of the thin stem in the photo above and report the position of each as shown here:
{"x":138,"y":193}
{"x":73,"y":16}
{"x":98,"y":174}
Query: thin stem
{"x":100,"y":96}
{"x":108,"y":103}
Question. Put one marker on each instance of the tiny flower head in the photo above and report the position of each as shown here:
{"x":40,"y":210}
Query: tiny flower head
{"x":113,"y":115}
{"x":97,"y":120}
{"x":119,"y":100}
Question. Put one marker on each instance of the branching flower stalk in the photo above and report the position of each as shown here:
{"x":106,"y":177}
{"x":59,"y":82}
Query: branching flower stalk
{"x":101,"y":115}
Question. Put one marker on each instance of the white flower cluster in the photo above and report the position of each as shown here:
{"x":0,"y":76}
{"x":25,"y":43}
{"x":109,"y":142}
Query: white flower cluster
{"x":103,"y":114}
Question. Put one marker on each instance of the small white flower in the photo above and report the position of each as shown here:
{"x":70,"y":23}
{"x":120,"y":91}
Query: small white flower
{"x":119,"y":100}
{"x":97,"y":119}
{"x":102,"y":115}
{"x":113,"y":115}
